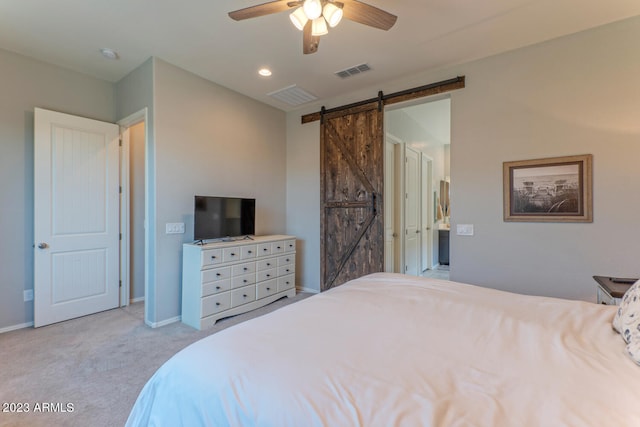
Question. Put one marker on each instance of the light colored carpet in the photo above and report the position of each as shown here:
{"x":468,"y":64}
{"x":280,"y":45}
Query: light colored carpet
{"x":95,"y":365}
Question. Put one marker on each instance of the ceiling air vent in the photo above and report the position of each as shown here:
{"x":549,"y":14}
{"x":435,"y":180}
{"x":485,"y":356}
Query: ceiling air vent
{"x":352,"y":71}
{"x":293,"y":95}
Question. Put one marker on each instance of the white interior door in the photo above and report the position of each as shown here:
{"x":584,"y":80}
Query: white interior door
{"x":76,"y":217}
{"x":389,"y":207}
{"x":412,"y":239}
{"x":427,"y":212}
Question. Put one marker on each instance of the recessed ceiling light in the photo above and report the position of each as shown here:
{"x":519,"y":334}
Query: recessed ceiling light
{"x":264,"y":72}
{"x":109,"y":53}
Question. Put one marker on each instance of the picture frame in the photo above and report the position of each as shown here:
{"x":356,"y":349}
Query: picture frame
{"x":555,"y":189}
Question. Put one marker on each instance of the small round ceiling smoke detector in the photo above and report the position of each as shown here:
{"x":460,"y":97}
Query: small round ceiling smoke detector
{"x":109,"y":53}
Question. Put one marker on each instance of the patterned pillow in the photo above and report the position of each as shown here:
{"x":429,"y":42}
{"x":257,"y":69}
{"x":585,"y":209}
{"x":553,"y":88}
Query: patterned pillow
{"x":627,"y":321}
{"x":633,"y":348}
{"x":628,"y":314}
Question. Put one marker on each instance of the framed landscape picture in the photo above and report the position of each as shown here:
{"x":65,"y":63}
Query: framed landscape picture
{"x":557,"y":189}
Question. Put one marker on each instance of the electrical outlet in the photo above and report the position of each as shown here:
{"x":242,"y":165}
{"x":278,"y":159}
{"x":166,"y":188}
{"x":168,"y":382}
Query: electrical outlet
{"x":28,"y":295}
{"x":464,"y":229}
{"x":174,"y":228}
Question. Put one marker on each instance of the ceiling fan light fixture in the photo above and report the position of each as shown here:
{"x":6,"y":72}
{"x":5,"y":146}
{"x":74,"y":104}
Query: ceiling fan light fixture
{"x":299,"y":18}
{"x":332,"y":13}
{"x":319,"y":27}
{"x":312,"y":8}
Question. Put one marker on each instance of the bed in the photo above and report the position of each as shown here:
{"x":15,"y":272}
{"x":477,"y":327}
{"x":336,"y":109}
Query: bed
{"x":395,"y":350}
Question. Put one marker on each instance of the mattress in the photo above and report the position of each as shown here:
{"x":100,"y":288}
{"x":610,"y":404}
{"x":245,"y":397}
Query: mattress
{"x":395,"y":350}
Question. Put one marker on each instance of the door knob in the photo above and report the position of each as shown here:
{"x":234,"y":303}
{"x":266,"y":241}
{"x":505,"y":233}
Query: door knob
{"x":42,"y":245}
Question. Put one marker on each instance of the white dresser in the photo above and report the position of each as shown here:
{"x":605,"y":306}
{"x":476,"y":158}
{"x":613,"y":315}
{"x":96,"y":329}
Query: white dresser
{"x":228,"y":278}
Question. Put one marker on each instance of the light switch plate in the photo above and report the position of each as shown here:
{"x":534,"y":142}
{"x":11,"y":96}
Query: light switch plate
{"x":175,"y":228}
{"x":464,"y":229}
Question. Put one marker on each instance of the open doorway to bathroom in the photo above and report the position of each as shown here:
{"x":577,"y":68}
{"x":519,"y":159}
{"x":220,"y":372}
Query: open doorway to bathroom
{"x":417,"y":179}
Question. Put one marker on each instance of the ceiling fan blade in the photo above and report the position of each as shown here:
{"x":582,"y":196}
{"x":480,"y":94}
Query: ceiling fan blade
{"x":309,"y":42}
{"x":263,"y":9}
{"x":366,"y":14}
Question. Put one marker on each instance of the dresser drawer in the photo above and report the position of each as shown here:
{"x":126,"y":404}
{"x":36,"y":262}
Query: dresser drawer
{"x":211,"y":257}
{"x":286,"y":282}
{"x":266,"y":288}
{"x":263,"y":275}
{"x":248,"y":251}
{"x":216,"y":287}
{"x":277,"y":247}
{"x":286,"y":269}
{"x":231,"y":254}
{"x":264,"y":249}
{"x":216,"y":303}
{"x":243,"y":280}
{"x":243,"y":295}
{"x":244,"y":268}
{"x":266,"y":264}
{"x":289,"y":245}
{"x":216,"y":274}
{"x":286,"y":260}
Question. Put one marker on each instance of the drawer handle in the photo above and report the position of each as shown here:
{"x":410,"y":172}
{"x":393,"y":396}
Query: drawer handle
{"x":218,"y":274}
{"x":268,"y":289}
{"x":213,"y":257}
{"x":268,"y":275}
{"x":233,"y":254}
{"x":245,"y":269}
{"x":248,"y":252}
{"x":278,"y":247}
{"x":244,"y":295}
{"x":217,"y":304}
{"x":287,"y":260}
{"x":218,"y":288}
{"x":244,"y":280}
{"x":265,"y":249}
{"x":287,"y":270}
{"x":268,"y":264}
{"x":287,"y":283}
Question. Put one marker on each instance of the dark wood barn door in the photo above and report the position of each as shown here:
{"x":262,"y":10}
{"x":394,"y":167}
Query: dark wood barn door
{"x":351,"y":175}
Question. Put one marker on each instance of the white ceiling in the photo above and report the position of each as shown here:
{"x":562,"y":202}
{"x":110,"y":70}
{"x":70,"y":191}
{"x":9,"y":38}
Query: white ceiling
{"x":198,"y":36}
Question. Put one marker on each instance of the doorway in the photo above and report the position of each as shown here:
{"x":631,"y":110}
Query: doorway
{"x":134,"y":182}
{"x":420,"y":132}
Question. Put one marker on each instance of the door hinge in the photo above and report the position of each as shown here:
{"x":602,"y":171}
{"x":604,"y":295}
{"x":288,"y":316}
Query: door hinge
{"x":120,"y":236}
{"x":121,"y":189}
{"x":120,"y":141}
{"x":120,"y":283}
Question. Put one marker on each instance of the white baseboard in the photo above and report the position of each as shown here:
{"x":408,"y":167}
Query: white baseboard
{"x":135,"y":300}
{"x":309,"y":290}
{"x":16,"y":327}
{"x":163,"y":322}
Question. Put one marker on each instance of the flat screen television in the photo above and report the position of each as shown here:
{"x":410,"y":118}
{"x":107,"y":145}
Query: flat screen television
{"x":223,"y":217}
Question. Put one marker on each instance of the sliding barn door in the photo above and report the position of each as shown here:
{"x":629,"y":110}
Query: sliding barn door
{"x":351,"y":188}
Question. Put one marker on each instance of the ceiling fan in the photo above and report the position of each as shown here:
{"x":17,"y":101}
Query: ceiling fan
{"x":312,"y":16}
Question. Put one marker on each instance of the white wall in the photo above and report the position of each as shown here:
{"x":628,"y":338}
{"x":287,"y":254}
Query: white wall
{"x":24,"y":85}
{"x":574,"y":95}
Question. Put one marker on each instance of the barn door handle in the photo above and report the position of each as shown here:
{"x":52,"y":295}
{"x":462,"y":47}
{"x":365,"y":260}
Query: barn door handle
{"x":373,"y":203}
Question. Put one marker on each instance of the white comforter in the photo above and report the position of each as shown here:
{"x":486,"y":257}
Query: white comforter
{"x":395,"y":350}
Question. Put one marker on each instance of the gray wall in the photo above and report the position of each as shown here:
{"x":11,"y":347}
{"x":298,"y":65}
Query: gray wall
{"x":574,"y":95}
{"x":209,"y":141}
{"x":26,"y":84}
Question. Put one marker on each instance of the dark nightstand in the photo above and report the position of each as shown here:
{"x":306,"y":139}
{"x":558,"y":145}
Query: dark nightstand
{"x":611,"y":289}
